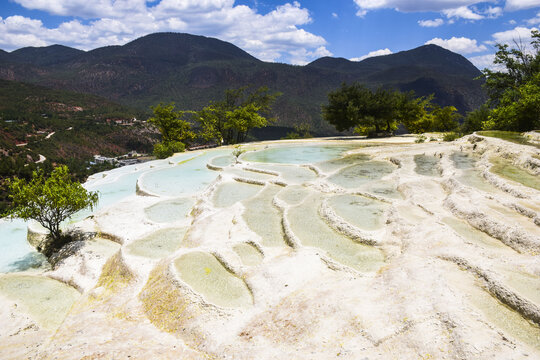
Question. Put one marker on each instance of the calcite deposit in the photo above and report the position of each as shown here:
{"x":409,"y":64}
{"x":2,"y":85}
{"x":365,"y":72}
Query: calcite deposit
{"x":314,"y":249}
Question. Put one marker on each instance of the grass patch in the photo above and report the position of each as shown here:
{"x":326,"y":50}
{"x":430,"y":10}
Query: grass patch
{"x":115,"y":274}
{"x":511,"y":136}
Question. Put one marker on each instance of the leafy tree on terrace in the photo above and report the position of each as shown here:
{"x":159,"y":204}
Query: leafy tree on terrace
{"x":355,"y":106}
{"x":445,"y":118}
{"x":175,"y":129}
{"x":514,"y":91}
{"x":49,"y":201}
{"x":230,"y":120}
{"x":416,"y":113}
{"x":376,"y":113}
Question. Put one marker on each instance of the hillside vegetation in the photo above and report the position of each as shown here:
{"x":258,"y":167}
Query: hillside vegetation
{"x":194,"y":70}
{"x":63,"y":127}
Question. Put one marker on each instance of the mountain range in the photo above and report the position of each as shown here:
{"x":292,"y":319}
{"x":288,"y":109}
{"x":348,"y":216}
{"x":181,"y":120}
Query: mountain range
{"x":194,"y":70}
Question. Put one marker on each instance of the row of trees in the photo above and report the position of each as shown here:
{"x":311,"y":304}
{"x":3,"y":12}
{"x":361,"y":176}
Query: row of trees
{"x":513,"y":105}
{"x":378,"y":113}
{"x":225,"y":122}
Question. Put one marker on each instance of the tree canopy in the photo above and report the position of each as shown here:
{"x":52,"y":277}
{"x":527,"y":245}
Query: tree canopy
{"x":376,"y":113}
{"x":174,"y":127}
{"x":49,"y":201}
{"x":514,"y":90}
{"x":230,"y":120}
{"x":225,"y":122}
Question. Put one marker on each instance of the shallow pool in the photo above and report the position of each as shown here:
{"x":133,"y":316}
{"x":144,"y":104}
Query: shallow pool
{"x":463,"y":160}
{"x":508,"y":171}
{"x":223,"y":161}
{"x":46,"y":300}
{"x":309,"y":227}
{"x":307,"y":154}
{"x":263,"y":218}
{"x":185,"y":178}
{"x":427,"y":165}
{"x":336,"y":164}
{"x":356,"y":175}
{"x":170,"y":210}
{"x":229,"y":193}
{"x":17,"y":254}
{"x":364,"y":213}
{"x":248,"y":253}
{"x":208,"y":277}
{"x":291,"y":174}
{"x":158,"y":244}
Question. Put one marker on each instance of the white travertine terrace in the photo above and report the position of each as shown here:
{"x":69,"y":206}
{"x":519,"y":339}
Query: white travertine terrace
{"x":446,"y":267}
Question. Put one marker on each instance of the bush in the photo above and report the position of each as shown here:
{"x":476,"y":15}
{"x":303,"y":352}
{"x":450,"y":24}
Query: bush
{"x":164,"y":150}
{"x":451,"y":136}
{"x":420,"y":139}
{"x":238,"y":151}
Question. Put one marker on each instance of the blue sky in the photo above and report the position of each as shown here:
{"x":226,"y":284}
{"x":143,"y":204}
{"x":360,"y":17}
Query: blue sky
{"x":295,"y":32}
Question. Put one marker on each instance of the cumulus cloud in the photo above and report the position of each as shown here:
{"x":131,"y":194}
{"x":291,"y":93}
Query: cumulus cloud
{"x":84,"y":8}
{"x":486,"y":62}
{"x":493,"y":12}
{"x":513,"y":5}
{"x":483,"y":61}
{"x":274,"y":36}
{"x":462,"y":12}
{"x":431,"y":23}
{"x":453,"y":9}
{"x":461,"y":45}
{"x":518,"y":35}
{"x":535,"y":20}
{"x":379,"y":52}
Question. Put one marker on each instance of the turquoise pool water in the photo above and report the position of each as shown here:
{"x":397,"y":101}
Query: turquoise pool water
{"x":179,"y":178}
{"x":297,"y":154}
{"x":183,"y":179}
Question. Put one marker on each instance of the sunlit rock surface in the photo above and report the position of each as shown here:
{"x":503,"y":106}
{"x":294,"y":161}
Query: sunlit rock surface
{"x":315,"y":249}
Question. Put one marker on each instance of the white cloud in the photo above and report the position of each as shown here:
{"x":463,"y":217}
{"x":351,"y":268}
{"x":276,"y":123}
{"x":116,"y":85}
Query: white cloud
{"x":519,"y":34}
{"x":417,"y":5}
{"x":461,"y":45}
{"x":483,"y":61}
{"x":379,"y":52}
{"x":465,"y":9}
{"x":431,"y":23}
{"x":535,"y":20}
{"x":462,"y":12}
{"x":84,"y":8}
{"x":513,"y":5}
{"x":275,"y":36}
{"x":335,"y":16}
{"x":493,"y":12}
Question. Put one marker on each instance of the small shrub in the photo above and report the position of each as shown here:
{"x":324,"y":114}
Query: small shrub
{"x":238,"y":151}
{"x":164,"y":150}
{"x":451,"y":136}
{"x":420,"y":139}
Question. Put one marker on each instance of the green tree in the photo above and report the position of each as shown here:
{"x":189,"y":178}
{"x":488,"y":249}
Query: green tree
{"x":368,"y":112}
{"x":416,"y":113}
{"x":518,"y":109}
{"x":174,"y":127}
{"x":513,"y":91}
{"x":230,"y":120}
{"x":49,"y":201}
{"x":474,"y":119}
{"x":445,"y":118}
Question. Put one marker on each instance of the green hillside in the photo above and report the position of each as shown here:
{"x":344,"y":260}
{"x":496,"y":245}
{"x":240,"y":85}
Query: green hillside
{"x":194,"y":70}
